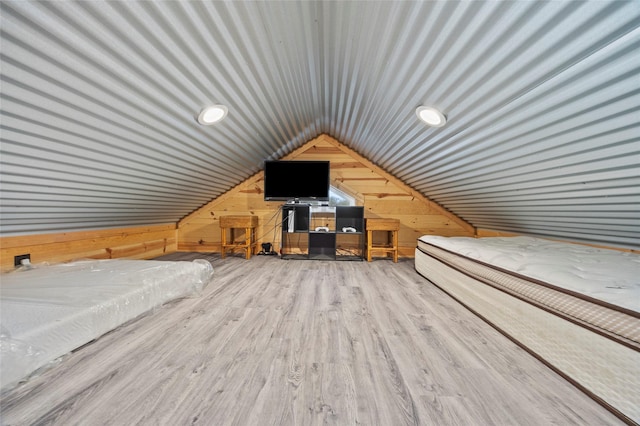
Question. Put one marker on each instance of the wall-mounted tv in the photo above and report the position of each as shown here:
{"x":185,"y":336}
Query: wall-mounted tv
{"x":291,"y":180}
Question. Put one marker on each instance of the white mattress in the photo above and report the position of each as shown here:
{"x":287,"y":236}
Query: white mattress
{"x":607,"y":275}
{"x":48,"y":311}
{"x":606,"y":368}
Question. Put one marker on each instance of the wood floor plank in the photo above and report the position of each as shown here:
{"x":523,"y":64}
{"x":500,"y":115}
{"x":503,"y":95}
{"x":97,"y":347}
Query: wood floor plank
{"x":274,"y":342}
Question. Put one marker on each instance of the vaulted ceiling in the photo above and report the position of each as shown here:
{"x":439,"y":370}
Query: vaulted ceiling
{"x":99,"y":99}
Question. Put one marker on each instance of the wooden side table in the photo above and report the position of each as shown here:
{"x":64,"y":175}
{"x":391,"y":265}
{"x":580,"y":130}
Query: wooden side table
{"x":229,"y":223}
{"x":387,"y":225}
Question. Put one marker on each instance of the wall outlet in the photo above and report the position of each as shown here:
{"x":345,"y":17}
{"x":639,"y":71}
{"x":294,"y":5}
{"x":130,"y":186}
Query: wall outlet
{"x":17,"y":260}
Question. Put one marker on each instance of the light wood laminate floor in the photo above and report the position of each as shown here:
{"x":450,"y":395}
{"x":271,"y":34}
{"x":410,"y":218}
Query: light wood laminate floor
{"x":275,"y":342}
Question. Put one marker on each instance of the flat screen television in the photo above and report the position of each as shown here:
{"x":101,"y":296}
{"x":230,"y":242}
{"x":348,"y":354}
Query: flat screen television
{"x":301,"y":180}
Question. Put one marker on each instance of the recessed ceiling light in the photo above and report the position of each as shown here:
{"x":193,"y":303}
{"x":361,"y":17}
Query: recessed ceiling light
{"x":212,"y":114}
{"x":431,"y":116}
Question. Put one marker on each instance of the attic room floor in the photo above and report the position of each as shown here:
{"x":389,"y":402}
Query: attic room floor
{"x":300,"y":343}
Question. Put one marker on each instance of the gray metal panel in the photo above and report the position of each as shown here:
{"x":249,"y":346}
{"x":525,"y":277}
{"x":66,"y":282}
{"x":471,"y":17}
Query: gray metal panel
{"x":99,"y":102}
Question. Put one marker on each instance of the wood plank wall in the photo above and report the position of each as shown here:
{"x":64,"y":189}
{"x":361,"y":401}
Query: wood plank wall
{"x":381,"y":194}
{"x":143,"y":242}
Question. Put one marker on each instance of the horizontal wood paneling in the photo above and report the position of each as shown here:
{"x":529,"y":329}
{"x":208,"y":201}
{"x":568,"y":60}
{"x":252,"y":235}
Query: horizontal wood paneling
{"x":137,"y":243}
{"x":380,"y":193}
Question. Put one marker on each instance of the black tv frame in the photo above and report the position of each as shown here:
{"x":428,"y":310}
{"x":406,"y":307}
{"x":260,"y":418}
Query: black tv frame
{"x":291,"y":180}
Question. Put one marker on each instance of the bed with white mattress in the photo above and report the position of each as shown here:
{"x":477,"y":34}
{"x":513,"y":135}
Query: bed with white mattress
{"x":48,"y":311}
{"x":576,"y":308}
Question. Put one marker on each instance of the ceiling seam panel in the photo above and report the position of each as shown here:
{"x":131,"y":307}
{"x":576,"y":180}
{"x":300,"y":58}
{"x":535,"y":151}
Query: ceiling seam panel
{"x":550,"y":110}
{"x":101,"y":117}
{"x":488,"y":117}
{"x":99,"y":103}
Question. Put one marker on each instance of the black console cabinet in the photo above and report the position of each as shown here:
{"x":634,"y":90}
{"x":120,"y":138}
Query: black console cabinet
{"x":321,"y":233}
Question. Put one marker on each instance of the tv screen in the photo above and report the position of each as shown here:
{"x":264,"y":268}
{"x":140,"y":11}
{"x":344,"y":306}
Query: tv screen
{"x":288,"y":180}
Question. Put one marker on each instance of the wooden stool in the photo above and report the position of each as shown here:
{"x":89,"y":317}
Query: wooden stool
{"x":248,"y":223}
{"x":388,"y":225}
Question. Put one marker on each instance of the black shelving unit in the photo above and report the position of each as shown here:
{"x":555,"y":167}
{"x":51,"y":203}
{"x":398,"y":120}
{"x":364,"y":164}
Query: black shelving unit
{"x":295,"y":231}
{"x":350,"y":245}
{"x":301,"y":240}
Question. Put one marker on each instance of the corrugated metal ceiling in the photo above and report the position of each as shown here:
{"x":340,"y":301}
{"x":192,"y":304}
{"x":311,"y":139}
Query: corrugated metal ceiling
{"x":543,"y":98}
